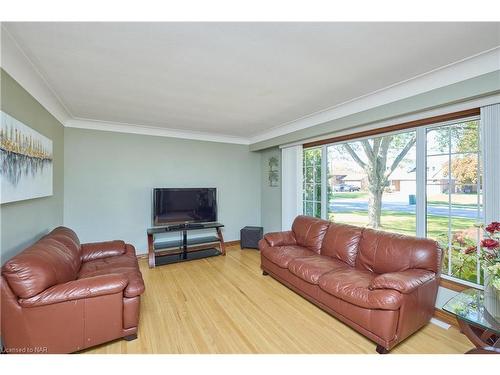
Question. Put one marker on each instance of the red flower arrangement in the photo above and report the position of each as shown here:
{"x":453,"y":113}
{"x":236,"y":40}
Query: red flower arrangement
{"x":490,"y":244}
{"x":493,"y":227}
{"x":470,"y":250}
{"x":490,"y":254}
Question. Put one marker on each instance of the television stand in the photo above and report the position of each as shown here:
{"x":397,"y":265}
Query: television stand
{"x":184,"y":249}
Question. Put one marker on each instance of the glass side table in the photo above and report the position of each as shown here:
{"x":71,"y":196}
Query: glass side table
{"x":475,"y":322}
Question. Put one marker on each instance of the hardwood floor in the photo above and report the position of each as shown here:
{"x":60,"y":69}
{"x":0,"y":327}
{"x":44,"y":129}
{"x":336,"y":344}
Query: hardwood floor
{"x":225,"y":305}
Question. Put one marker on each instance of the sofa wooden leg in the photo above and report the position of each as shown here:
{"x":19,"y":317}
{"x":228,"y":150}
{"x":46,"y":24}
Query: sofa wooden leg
{"x":130,"y":337}
{"x":264,"y":273}
{"x":381,"y":350}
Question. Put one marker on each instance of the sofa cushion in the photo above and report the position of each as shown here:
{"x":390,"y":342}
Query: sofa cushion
{"x":341,"y":241}
{"x":44,"y":264}
{"x":311,"y":268}
{"x":123,"y":265}
{"x":108,"y":264}
{"x":98,"y":250}
{"x":282,"y":255}
{"x":309,"y":232}
{"x":384,"y":252}
{"x":352,"y":285}
{"x":405,"y":281}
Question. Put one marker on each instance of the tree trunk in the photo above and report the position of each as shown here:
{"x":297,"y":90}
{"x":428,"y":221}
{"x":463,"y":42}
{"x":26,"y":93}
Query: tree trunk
{"x":375,"y":206}
{"x":377,"y":172}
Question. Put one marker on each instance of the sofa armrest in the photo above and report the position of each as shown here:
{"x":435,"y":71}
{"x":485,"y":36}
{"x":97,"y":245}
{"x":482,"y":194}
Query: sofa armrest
{"x":130,"y":250}
{"x":404,"y":281}
{"x":98,"y":250}
{"x":78,"y":289}
{"x":280,"y":238}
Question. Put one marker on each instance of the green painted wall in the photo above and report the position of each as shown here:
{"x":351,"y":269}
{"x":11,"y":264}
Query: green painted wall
{"x":270,"y":196}
{"x":109,"y":176}
{"x":23,"y":222}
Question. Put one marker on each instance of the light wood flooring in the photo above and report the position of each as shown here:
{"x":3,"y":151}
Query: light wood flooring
{"x":225,"y":305}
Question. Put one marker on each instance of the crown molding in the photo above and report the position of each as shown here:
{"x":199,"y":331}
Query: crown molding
{"x":470,"y":67}
{"x":121,"y":127}
{"x":17,"y":64}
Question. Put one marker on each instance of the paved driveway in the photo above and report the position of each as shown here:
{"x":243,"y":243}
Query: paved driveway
{"x":347,"y":205}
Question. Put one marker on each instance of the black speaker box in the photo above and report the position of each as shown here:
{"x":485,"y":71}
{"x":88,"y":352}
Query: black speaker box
{"x":250,"y":237}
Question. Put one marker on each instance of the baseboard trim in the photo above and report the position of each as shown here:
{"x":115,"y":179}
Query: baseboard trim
{"x":445,"y":317}
{"x":440,"y":323}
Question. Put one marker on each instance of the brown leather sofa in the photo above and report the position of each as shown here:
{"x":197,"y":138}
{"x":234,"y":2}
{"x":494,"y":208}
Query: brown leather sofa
{"x":60,"y":297}
{"x":381,"y":284}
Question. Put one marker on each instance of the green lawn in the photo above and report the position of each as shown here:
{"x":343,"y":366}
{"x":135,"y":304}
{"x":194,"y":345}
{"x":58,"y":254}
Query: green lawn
{"x":405,"y":223}
{"x":458,"y":200}
{"x":454,"y":205}
{"x":351,"y":195}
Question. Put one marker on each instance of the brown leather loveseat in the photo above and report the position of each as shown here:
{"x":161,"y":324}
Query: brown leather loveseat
{"x":383,"y":285}
{"x":60,"y":297}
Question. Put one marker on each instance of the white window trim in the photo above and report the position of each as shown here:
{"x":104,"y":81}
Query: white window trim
{"x":291,"y":185}
{"x":421,"y":182}
{"x":324,"y":183}
{"x":490,"y":138}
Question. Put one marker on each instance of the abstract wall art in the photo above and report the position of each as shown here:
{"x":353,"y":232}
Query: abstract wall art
{"x":25,"y":161}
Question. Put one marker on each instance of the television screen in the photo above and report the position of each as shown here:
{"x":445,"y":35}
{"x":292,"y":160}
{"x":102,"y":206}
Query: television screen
{"x":184,"y":205}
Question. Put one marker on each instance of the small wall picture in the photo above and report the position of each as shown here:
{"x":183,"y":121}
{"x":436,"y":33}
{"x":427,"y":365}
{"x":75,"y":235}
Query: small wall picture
{"x":273,"y":172}
{"x":25,"y":161}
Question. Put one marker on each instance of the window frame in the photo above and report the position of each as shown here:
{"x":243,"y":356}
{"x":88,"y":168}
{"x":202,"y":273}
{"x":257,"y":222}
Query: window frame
{"x":480,"y":160}
{"x":319,"y":199}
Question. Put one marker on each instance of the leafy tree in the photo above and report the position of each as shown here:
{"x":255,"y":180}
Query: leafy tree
{"x":374,"y":157}
{"x":461,"y":137}
{"x":467,"y":137}
{"x":463,"y":169}
{"x":464,"y":139}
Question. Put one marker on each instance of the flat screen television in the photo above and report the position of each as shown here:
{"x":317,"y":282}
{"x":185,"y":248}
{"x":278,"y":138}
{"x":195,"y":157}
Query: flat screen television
{"x":184,"y":205}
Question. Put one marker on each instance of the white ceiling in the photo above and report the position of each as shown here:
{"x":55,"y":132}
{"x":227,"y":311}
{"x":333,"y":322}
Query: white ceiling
{"x":236,"y":79}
